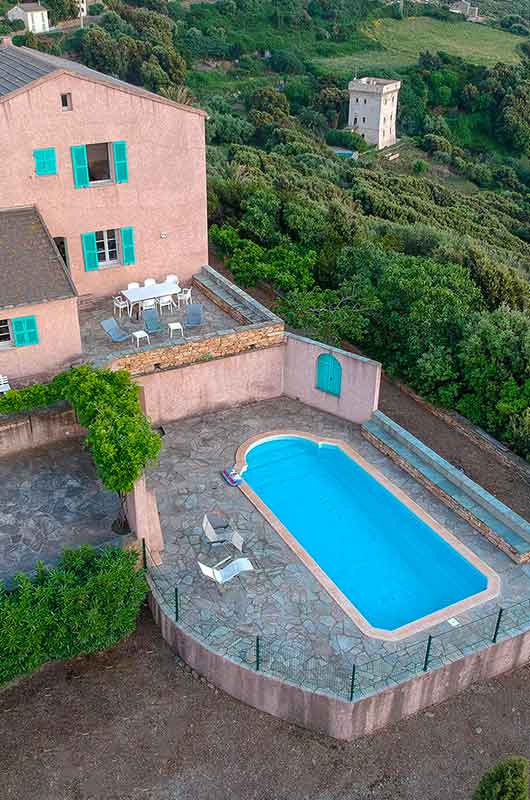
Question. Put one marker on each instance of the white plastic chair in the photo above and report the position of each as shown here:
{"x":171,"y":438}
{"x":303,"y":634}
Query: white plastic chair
{"x":147,"y":304}
{"x":149,"y":282}
{"x":184,"y":297}
{"x":120,"y":303}
{"x":223,"y":571}
{"x":133,"y":286}
{"x":4,"y":384}
{"x":172,"y":279}
{"x":166,"y":302}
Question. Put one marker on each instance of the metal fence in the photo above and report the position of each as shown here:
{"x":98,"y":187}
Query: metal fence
{"x":339,"y":676}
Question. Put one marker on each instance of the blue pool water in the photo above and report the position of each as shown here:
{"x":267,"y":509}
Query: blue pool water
{"x":390,"y":564}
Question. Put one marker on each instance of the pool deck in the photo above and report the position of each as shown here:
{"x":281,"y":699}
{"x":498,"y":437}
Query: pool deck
{"x":302,"y":629}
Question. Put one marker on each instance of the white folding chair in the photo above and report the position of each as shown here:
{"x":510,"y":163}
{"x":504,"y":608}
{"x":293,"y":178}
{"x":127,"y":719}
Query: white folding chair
{"x":4,"y":384}
{"x":149,"y":282}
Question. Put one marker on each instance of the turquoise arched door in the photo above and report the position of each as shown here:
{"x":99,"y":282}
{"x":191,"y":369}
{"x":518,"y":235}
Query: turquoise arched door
{"x":329,"y":374}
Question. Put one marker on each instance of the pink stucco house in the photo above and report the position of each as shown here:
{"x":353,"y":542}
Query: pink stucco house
{"x":117,"y":173}
{"x":39,"y":325}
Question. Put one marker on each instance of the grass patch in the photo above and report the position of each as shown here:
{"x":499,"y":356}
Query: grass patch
{"x":402,"y":41}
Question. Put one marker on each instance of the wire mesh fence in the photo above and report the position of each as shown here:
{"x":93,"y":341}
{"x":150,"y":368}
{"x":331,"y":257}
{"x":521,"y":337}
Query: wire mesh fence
{"x":344,"y":676}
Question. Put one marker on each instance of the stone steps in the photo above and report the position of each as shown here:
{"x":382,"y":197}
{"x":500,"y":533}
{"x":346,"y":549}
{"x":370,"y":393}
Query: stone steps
{"x":216,"y":286}
{"x":502,"y":526}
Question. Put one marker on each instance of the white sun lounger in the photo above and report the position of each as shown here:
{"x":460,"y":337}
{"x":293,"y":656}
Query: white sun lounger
{"x":217,"y":529}
{"x":226,"y":569}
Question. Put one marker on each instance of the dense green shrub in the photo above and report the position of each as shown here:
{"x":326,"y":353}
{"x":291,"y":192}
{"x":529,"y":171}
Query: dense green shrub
{"x":89,"y":602}
{"x":106,"y":403}
{"x":349,"y":139}
{"x":508,"y":780}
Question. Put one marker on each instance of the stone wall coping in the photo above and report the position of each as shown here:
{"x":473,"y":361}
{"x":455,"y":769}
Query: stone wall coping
{"x":496,"y":507}
{"x":233,"y":289}
{"x":330,"y":349}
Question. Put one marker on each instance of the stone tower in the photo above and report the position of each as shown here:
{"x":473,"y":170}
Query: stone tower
{"x":372,"y":112}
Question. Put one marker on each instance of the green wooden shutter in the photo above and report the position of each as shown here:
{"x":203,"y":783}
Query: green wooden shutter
{"x":25,"y":331}
{"x":80,"y":166}
{"x":127,"y":246}
{"x":45,"y":161}
{"x":121,"y":168}
{"x":329,"y":374}
{"x":90,"y":251}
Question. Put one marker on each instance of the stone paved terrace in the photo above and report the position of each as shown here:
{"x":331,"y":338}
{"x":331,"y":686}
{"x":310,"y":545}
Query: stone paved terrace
{"x":99,"y":347}
{"x":304,"y":633}
{"x":50,"y":499}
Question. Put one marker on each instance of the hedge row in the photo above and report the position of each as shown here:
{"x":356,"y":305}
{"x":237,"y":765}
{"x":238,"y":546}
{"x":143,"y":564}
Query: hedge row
{"x":89,"y":602}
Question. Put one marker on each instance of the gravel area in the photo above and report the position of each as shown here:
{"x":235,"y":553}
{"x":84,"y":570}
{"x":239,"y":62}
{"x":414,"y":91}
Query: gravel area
{"x":131,"y":724}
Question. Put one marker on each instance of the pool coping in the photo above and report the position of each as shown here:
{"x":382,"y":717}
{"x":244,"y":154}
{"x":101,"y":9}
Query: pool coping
{"x":493,"y":581}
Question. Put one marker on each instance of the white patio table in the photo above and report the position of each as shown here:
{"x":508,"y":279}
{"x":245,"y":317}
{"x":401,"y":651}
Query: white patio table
{"x":136,"y":296}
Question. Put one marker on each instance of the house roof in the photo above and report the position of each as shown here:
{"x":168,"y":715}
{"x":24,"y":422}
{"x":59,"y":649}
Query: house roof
{"x":20,"y":66}
{"x":30,"y":7}
{"x":32,"y":269}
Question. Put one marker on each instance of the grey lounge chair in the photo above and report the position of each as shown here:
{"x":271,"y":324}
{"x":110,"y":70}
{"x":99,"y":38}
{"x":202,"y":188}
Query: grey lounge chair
{"x":112,"y":329}
{"x":194,"y":314}
{"x":217,"y":529}
{"x":226,"y":569}
{"x":152,"y":323}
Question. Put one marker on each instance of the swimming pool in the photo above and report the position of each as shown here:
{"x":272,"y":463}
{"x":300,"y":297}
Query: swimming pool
{"x":393,"y":568}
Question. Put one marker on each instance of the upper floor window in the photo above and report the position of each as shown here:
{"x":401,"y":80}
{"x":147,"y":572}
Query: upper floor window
{"x":45,"y":161}
{"x":364,"y":119}
{"x":66,"y":102}
{"x":103,"y":162}
{"x":356,"y":99}
{"x":365,"y":100}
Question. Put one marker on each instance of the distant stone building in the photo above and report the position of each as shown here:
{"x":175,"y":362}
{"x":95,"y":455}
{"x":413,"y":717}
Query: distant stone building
{"x":33,"y":15}
{"x":373,"y":107}
{"x":465,"y":8}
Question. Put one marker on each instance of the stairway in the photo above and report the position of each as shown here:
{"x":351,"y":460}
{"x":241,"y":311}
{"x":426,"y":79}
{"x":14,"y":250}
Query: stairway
{"x":498,"y":523}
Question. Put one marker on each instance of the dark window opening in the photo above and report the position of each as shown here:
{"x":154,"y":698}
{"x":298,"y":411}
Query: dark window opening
{"x":66,"y":102}
{"x":98,"y":162}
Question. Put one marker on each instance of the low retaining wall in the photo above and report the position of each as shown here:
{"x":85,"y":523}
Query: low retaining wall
{"x":19,"y":432}
{"x":197,"y":349}
{"x":332,"y":716}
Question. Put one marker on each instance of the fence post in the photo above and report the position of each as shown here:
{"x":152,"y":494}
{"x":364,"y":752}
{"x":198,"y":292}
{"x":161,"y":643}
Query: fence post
{"x":497,"y":625}
{"x":176,"y":603}
{"x":144,"y":554}
{"x":352,"y":684}
{"x":257,"y":653}
{"x":427,"y":654}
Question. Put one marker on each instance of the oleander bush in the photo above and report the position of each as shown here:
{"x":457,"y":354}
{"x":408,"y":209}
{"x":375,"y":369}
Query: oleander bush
{"x":88,"y":602}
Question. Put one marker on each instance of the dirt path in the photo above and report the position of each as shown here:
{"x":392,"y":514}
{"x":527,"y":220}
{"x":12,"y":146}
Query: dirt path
{"x":130,"y":724}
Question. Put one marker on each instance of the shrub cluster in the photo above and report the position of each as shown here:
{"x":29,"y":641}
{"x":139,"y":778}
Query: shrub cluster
{"x":106,"y":403}
{"x":89,"y":602}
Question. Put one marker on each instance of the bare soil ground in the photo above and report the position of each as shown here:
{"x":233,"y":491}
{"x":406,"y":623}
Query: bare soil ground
{"x":131,"y":724}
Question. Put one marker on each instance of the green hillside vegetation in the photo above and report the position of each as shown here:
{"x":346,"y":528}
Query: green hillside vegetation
{"x":400,"y":42}
{"x":431,"y":280}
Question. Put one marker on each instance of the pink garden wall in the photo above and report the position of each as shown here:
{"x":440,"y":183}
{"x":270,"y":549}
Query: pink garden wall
{"x":59,"y":341}
{"x":164,"y":199}
{"x":361,"y":378}
{"x":211,"y":385}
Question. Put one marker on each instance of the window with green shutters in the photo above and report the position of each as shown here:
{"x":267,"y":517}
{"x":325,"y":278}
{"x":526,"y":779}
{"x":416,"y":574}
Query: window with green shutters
{"x":121,"y":168}
{"x":127,"y":246}
{"x":45,"y":161}
{"x":108,"y":248}
{"x":103,"y":162}
{"x":80,"y":166}
{"x":24,"y":331}
{"x":329,"y":374}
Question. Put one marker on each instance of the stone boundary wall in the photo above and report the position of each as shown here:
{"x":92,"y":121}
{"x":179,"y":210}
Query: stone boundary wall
{"x":19,"y":432}
{"x":241,"y":300}
{"x":335,"y":717}
{"x":198,"y":349}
